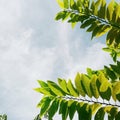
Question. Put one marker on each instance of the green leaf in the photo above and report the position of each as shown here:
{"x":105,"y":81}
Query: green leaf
{"x":102,"y":10}
{"x":42,"y":83}
{"x":100,"y":114}
{"x":55,"y":88}
{"x":117,"y":13}
{"x":79,"y":85}
{"x":103,"y":29}
{"x":44,"y":106}
{"x":60,"y":3}
{"x":72,"y":110}
{"x":63,"y":85}
{"x":110,"y":73}
{"x":85,"y":82}
{"x":94,"y":107}
{"x":117,"y":117}
{"x":116,"y":89}
{"x":110,"y":10}
{"x":73,"y":24}
{"x":115,"y":69}
{"x":39,"y":105}
{"x":93,"y":86}
{"x":72,"y":2}
{"x":96,"y":30}
{"x":62,"y":15}
{"x":71,"y":89}
{"x":112,"y":113}
{"x":66,"y":4}
{"x":84,"y":112}
{"x":87,"y":22}
{"x":94,"y":6}
{"x":45,"y":91}
{"x":89,"y":72}
{"x":104,"y":87}
{"x":64,"y":109}
{"x":92,"y":27}
{"x":107,"y":49}
{"x":110,"y":38}
{"x":53,"y":109}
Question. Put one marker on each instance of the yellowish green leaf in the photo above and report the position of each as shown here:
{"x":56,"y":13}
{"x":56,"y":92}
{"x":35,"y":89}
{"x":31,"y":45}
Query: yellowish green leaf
{"x":79,"y":85}
{"x":71,"y":89}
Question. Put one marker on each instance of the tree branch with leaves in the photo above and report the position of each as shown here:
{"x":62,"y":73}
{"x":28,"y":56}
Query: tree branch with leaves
{"x":96,"y":93}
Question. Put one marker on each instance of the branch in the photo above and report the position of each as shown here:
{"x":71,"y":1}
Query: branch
{"x":93,"y":16}
{"x":89,"y":101}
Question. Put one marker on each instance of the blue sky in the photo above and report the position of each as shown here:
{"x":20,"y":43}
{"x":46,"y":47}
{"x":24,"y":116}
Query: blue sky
{"x":33,"y":46}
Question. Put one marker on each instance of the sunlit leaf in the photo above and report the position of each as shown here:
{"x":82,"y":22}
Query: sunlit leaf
{"x":72,"y":89}
{"x":110,"y":10}
{"x":63,"y":85}
{"x":85,"y":82}
{"x":55,"y":88}
{"x":60,"y":3}
{"x":79,"y":85}
{"x":93,"y":86}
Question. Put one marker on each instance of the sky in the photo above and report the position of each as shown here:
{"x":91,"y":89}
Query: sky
{"x":33,"y":46}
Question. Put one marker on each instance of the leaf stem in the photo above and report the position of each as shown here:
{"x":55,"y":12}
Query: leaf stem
{"x":89,"y":101}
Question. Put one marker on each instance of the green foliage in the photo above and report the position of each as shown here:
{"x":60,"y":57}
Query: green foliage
{"x":89,"y":95}
{"x":3,"y":117}
{"x":94,"y":86}
{"x":97,"y":17}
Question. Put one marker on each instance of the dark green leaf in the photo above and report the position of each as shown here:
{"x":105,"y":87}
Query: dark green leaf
{"x":84,"y":112}
{"x":87,"y":22}
{"x":64,"y":109}
{"x":102,"y":10}
{"x":100,"y":114}
{"x":45,"y":106}
{"x":110,"y":73}
{"x":62,"y":15}
{"x":112,"y":113}
{"x":53,"y":109}
{"x":117,"y":117}
{"x":72,"y":109}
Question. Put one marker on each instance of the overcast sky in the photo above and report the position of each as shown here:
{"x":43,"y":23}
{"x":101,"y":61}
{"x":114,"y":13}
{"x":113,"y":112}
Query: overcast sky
{"x":33,"y":46}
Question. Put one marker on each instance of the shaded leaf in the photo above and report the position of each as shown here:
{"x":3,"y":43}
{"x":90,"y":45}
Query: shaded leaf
{"x":53,"y":109}
{"x":72,"y":110}
{"x":117,"y":117}
{"x":87,"y":22}
{"x":45,"y":106}
{"x":100,"y":114}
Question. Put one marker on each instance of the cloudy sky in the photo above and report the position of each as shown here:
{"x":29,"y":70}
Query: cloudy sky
{"x":33,"y":46}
